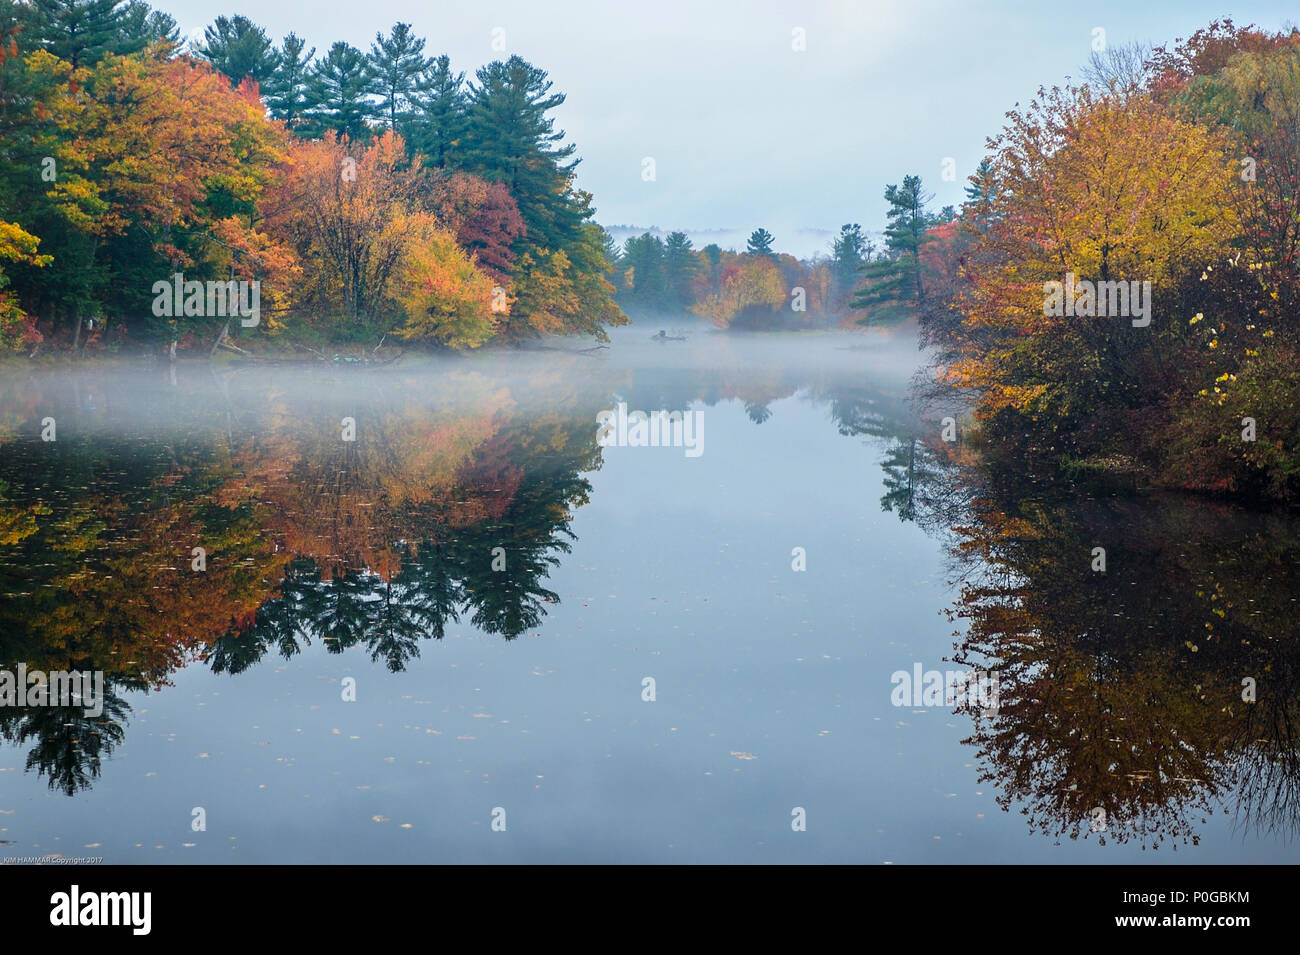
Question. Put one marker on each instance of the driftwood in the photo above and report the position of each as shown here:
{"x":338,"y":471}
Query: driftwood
{"x":589,"y":352}
{"x":317,"y":356}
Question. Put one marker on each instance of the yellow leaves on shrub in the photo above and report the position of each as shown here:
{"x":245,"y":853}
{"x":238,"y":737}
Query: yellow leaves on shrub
{"x":447,"y":300}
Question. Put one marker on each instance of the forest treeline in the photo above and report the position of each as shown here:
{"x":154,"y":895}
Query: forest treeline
{"x":1117,"y":294}
{"x":1177,"y":167}
{"x":857,"y":283}
{"x":368,"y":193}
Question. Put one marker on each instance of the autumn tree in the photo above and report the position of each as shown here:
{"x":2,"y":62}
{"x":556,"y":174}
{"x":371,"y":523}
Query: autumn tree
{"x":447,"y":300}
{"x":17,"y":330}
{"x":150,"y":152}
{"x":1109,"y":189}
{"x":351,"y":215}
{"x":484,"y":218}
{"x":564,"y":292}
{"x":749,"y":284}
{"x":149,"y":161}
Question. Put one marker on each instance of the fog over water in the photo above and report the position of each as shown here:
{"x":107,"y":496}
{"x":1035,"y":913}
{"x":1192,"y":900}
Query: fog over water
{"x":499,"y":587}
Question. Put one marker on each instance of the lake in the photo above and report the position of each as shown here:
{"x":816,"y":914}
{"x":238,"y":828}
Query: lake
{"x":432,"y":612}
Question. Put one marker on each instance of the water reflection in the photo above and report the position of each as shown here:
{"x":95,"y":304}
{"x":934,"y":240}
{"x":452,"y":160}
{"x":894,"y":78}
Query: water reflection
{"x":1120,"y":693}
{"x":1135,"y":701}
{"x":224,"y":518}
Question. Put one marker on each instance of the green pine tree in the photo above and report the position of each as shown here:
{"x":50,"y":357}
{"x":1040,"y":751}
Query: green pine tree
{"x":848,"y":252}
{"x":613,"y":255}
{"x":712,"y":256}
{"x":760,"y":243}
{"x":509,"y":138}
{"x":238,"y":47}
{"x":80,"y":31}
{"x":142,"y":24}
{"x":892,"y":287}
{"x":397,"y":64}
{"x":680,"y":267}
{"x":288,"y":90}
{"x":439,"y":120}
{"x":981,"y":190}
{"x":643,"y":268}
{"x":340,"y":87}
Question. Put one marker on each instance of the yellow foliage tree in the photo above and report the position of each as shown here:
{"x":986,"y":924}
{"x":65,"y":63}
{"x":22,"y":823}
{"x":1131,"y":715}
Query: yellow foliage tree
{"x":1108,"y":188}
{"x":447,"y":300}
{"x":752,"y":280}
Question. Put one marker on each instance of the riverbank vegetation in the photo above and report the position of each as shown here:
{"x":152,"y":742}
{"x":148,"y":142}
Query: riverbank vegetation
{"x":1175,"y":167}
{"x":367,"y":193}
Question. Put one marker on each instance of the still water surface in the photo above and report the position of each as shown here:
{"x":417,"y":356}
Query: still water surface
{"x":481,"y":687}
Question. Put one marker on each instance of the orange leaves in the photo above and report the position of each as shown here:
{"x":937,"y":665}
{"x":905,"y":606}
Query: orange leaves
{"x":748,"y":282}
{"x":153,"y":135}
{"x":349,"y":217}
{"x":1108,"y":187}
{"x":257,"y":256}
{"x":446,"y":299}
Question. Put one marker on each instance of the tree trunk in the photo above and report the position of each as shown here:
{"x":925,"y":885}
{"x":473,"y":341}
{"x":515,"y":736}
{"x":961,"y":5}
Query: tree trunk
{"x":225,"y":330}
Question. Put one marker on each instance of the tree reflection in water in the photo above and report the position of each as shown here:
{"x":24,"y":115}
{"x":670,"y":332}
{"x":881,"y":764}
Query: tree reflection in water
{"x":1129,"y":690}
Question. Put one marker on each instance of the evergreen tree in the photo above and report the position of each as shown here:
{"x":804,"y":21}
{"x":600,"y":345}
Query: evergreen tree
{"x":145,"y":25}
{"x":981,"y":190}
{"x":288,"y":90}
{"x":712,"y":256}
{"x":892,"y":283}
{"x":80,"y":31}
{"x":509,"y":138}
{"x":643,"y":265}
{"x":680,"y":267}
{"x":760,"y":243}
{"x":396,"y":66}
{"x":439,"y":121}
{"x":613,"y":255}
{"x":238,"y":47}
{"x":978,"y":182}
{"x":848,"y":253}
{"x":340,"y":85}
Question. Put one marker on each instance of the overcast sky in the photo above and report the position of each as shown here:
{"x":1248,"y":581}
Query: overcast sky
{"x":744,"y":130}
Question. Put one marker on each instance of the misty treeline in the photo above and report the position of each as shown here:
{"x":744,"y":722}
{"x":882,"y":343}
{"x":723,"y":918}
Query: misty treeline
{"x":1176,"y":166}
{"x":858,"y":283}
{"x":368,"y":193}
